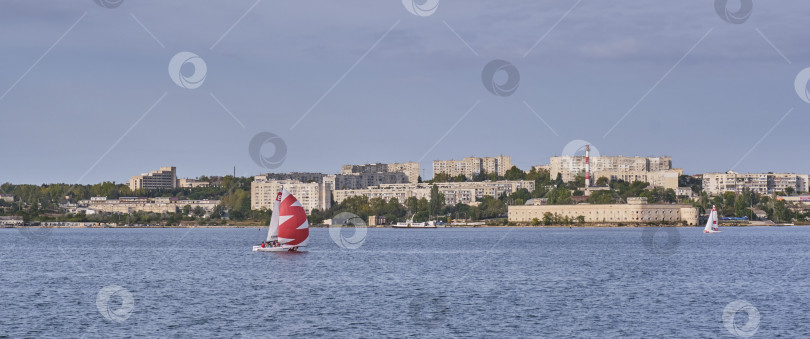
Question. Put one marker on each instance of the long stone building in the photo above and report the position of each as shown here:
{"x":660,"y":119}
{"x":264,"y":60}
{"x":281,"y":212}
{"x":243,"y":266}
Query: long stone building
{"x":635,"y":211}
{"x":471,"y":166}
{"x":762,"y":183}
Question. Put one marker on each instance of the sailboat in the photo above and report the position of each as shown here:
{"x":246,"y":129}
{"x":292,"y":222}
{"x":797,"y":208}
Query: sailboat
{"x":289,"y":228}
{"x":711,"y":224}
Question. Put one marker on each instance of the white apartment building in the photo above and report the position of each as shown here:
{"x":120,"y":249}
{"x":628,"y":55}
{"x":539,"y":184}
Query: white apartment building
{"x":300,"y":176}
{"x":386,"y":192}
{"x":192,"y":183}
{"x":312,"y":195}
{"x":164,"y":178}
{"x":471,"y":166}
{"x":142,"y":204}
{"x":657,"y":171}
{"x":762,"y":183}
{"x":410,"y":169}
{"x":454,"y":192}
{"x":364,"y":180}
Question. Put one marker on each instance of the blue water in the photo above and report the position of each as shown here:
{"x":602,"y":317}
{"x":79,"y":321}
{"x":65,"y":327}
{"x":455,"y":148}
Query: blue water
{"x":481,"y":282}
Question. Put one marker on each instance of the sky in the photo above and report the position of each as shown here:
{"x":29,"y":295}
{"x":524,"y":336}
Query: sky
{"x":89,"y":92}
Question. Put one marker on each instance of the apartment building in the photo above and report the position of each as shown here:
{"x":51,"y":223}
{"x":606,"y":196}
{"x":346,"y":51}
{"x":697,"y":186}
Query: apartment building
{"x":762,"y":183}
{"x":143,"y":204}
{"x":410,"y":169}
{"x":311,"y":195}
{"x":192,"y":183}
{"x":164,"y":178}
{"x":657,"y":171}
{"x":454,"y":192}
{"x":299,"y":176}
{"x":471,"y":166}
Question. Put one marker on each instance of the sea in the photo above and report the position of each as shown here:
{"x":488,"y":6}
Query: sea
{"x":380,"y":282}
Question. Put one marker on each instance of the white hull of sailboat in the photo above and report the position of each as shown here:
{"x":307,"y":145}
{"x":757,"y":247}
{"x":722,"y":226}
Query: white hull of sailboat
{"x":274,"y":249}
{"x":711,"y":231}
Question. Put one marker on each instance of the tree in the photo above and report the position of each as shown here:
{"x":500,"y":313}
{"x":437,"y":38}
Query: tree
{"x":436,"y":200}
{"x":199,"y":211}
{"x":602,"y":181}
{"x":601,"y":197}
{"x":559,"y":196}
{"x":186,"y":209}
{"x":412,"y":204}
{"x":548,"y":218}
{"x":514,"y":173}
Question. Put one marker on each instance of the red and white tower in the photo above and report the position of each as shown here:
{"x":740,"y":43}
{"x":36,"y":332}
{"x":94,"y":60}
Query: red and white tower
{"x":587,"y":165}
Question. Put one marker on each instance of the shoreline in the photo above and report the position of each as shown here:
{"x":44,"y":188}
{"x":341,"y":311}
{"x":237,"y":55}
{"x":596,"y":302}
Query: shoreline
{"x":389,"y":227}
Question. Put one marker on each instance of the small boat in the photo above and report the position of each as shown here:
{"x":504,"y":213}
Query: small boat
{"x":289,"y":227}
{"x":411,"y":224}
{"x":711,"y":224}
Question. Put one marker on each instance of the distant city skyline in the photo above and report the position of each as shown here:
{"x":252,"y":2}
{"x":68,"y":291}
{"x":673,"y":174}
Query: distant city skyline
{"x":91,"y":94}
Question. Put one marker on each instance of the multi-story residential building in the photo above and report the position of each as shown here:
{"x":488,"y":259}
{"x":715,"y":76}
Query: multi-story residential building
{"x":192,"y":183}
{"x":410,"y":169}
{"x":635,"y":211}
{"x":454,"y":192}
{"x":143,"y":204}
{"x":311,"y":195}
{"x":657,"y":171}
{"x":762,"y":183}
{"x":386,"y":192}
{"x":471,"y":166}
{"x":363,"y":180}
{"x":7,"y":197}
{"x":165,"y":178}
{"x":663,"y":178}
{"x":300,"y":176}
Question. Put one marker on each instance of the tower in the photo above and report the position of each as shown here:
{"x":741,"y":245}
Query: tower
{"x":587,"y":165}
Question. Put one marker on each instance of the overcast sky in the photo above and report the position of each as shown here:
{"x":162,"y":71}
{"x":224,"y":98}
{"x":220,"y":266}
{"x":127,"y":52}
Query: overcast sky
{"x":87,"y":94}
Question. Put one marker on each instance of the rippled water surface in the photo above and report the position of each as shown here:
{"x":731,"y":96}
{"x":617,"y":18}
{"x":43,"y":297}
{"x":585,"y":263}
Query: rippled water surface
{"x":481,"y":282}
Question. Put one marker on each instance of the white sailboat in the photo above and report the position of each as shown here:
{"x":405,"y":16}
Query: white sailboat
{"x":289,"y":227}
{"x":711,"y":224}
{"x":410,"y":224}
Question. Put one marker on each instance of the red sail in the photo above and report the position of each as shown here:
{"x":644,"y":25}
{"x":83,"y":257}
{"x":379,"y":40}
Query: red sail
{"x":293,"y":227}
